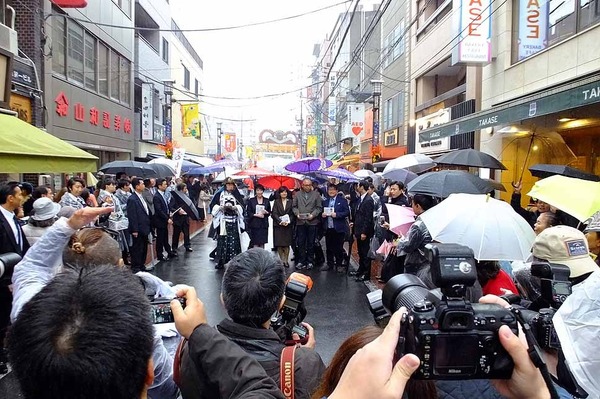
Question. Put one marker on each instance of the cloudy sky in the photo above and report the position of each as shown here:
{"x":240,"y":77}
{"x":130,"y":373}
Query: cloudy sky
{"x":255,"y":61}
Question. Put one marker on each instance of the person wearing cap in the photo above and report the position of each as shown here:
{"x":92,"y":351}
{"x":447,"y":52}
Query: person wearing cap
{"x":567,"y":246}
{"x":43,"y":215}
{"x":592,"y":233}
{"x":229,"y":187}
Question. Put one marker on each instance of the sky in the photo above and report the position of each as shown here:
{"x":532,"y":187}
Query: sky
{"x":255,"y":61}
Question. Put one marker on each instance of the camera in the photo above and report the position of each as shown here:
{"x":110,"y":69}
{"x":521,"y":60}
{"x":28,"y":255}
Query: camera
{"x":161,"y":311}
{"x":8,"y":261}
{"x":555,"y":288}
{"x":287,"y":321}
{"x":455,"y":339}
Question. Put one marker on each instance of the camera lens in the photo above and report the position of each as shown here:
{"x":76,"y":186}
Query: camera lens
{"x":403,"y":290}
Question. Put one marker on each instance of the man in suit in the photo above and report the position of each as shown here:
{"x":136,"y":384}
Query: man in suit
{"x":335,"y":226}
{"x":12,"y":239}
{"x":364,"y":229}
{"x":148,"y":194}
{"x":181,"y":220}
{"x":138,"y":213}
{"x":161,"y":221}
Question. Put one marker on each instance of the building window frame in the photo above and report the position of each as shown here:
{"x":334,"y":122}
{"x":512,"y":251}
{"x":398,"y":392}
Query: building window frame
{"x":165,"y":50}
{"x":186,"y":77}
{"x":125,"y":6}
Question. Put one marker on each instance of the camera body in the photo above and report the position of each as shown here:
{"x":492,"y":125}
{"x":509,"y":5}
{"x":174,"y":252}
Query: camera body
{"x":454,"y":339}
{"x":8,"y":261}
{"x":287,"y":321}
{"x":161,"y":311}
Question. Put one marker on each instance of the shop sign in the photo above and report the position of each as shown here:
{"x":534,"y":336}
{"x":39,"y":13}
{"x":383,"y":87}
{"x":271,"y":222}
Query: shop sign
{"x":437,"y":144}
{"x":114,"y":122}
{"x":474,"y":30}
{"x":311,"y":145}
{"x":390,"y":137}
{"x":230,"y":143}
{"x":22,"y":75}
{"x":564,"y":100}
{"x":147,"y":111}
{"x":22,"y":106}
{"x":533,"y":27}
{"x":190,"y":126}
{"x":356,"y":118}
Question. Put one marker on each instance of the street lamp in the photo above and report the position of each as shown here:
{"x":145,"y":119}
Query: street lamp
{"x":219,"y":126}
{"x":376,"y":84}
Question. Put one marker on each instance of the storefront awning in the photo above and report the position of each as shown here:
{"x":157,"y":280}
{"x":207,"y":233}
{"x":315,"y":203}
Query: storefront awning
{"x":26,"y":149}
{"x":560,"y":98}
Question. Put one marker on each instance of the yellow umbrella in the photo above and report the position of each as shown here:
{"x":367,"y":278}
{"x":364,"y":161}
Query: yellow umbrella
{"x":577,"y":197}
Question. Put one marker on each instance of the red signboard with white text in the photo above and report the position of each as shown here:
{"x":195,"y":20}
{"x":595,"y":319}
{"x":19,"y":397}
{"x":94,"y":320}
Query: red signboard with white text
{"x":70,"y":3}
{"x":93,"y":115}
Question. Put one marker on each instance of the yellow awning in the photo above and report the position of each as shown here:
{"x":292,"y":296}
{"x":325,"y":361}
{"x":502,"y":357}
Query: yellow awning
{"x":26,"y":149}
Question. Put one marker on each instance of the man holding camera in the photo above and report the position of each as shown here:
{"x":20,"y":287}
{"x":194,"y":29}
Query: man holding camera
{"x":252,"y":291}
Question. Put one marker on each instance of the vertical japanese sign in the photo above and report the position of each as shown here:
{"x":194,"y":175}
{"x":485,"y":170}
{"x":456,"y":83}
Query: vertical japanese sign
{"x":474,"y":30}
{"x":533,"y":27}
{"x":178,"y":154}
{"x":230,"y":143}
{"x":147,"y":111}
{"x":332,"y":111}
{"x":190,"y":125}
{"x":356,"y":118}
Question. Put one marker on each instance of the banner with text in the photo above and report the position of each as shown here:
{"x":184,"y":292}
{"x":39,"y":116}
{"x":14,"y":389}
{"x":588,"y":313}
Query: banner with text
{"x":190,"y":125}
{"x":147,"y":111}
{"x":533,"y":27}
{"x":473,"y":24}
{"x":178,"y":154}
{"x":356,"y":118}
{"x":230,"y":143}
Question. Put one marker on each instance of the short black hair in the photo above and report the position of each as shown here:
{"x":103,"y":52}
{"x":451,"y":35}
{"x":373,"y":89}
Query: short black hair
{"x":364,"y":184}
{"x":397,"y":183}
{"x":147,"y":182}
{"x":76,"y":339}
{"x":107,"y":182}
{"x":259,"y":187}
{"x":74,"y":180}
{"x":253,"y":286}
{"x":160,"y":181}
{"x":180,"y":186}
{"x":8,"y":189}
{"x":333,"y":185}
{"x":39,"y":192}
{"x":123,"y":183}
{"x":425,"y":201}
{"x":136,"y":181}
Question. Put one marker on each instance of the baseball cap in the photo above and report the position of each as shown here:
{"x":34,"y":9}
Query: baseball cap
{"x":566,"y":246}
{"x":593,"y":223}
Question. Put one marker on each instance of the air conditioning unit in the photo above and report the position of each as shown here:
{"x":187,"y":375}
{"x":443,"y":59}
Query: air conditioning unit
{"x":8,"y":39}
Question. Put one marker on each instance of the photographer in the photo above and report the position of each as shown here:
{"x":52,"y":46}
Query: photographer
{"x":252,"y":291}
{"x":88,"y":248}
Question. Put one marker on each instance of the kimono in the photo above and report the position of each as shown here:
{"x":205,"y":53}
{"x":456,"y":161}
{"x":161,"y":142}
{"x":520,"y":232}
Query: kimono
{"x":228,"y":222}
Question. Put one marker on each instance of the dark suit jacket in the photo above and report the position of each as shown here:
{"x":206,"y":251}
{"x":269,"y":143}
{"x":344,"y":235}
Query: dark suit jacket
{"x":139,"y":220}
{"x":160,"y":218}
{"x":342,"y":211}
{"x":363,"y":217}
{"x":7,"y":239}
{"x":255,"y":222}
{"x":178,"y":220}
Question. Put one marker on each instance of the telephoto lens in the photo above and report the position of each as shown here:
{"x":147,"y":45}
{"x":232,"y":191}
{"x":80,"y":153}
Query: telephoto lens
{"x":405,"y":290}
{"x":8,"y":261}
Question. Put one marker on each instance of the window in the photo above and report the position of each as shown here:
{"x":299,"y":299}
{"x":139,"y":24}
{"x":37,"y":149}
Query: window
{"x":393,"y":114}
{"x":394,"y":45}
{"x":58,"y":45}
{"x":124,"y":5}
{"x":165,"y":50}
{"x":90,"y":61}
{"x":114,"y":75}
{"x":75,"y":52}
{"x":186,"y":78}
{"x":125,"y":74}
{"x":430,"y":13}
{"x":196,"y":87}
{"x":103,"y":56}
{"x":544,"y":23}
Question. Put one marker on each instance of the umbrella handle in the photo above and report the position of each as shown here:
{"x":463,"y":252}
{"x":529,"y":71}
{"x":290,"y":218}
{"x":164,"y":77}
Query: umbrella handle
{"x":527,"y":157}
{"x":175,"y":211}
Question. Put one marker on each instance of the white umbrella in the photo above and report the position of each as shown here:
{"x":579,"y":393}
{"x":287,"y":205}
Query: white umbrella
{"x":204,"y":161}
{"x":417,"y":163}
{"x":491,"y":228}
{"x":364,"y":173}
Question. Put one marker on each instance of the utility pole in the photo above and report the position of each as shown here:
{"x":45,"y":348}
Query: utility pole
{"x":219,"y":127}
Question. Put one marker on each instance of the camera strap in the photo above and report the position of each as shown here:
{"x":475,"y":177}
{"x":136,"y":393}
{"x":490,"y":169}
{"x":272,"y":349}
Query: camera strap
{"x":286,"y":371}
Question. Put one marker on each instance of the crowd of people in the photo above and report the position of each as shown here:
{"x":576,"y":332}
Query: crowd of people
{"x":71,"y":337}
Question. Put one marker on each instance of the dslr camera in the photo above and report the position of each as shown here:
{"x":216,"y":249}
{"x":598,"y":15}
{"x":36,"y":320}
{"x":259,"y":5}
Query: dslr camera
{"x":455,"y":339}
{"x":556,"y":288}
{"x":8,"y":261}
{"x":287,"y":321}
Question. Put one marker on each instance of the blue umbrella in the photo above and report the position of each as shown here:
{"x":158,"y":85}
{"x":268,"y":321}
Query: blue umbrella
{"x":341,"y":174}
{"x":215,"y":167}
{"x":307,"y":165}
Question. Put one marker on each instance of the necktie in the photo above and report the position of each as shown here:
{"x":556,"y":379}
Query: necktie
{"x":19,"y":237}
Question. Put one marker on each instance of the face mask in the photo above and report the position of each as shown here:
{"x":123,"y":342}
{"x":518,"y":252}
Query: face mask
{"x":577,"y":323}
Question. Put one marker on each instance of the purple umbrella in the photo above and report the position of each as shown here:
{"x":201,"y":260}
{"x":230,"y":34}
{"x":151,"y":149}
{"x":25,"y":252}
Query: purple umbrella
{"x":307,"y":165}
{"x":341,"y":174}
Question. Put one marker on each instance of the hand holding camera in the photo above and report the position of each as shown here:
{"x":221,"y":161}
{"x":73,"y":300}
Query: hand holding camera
{"x":194,"y":314}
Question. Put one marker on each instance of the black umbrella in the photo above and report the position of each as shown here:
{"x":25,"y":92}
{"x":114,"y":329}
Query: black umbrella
{"x":162,"y":170}
{"x":543,"y":170}
{"x":131,"y":168}
{"x":470,"y":157}
{"x":185,"y":203}
{"x":445,"y":182}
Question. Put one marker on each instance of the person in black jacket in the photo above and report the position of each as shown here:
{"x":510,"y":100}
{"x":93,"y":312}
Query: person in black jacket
{"x":181,"y":221}
{"x":363,"y":231}
{"x":138,"y":213}
{"x":161,"y":221}
{"x":252,"y":290}
{"x":335,"y":225}
{"x":529,"y":215}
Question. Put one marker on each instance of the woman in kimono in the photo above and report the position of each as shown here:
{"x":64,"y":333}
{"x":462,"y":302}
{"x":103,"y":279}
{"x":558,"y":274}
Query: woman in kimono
{"x":283,"y":224}
{"x":228,"y":221}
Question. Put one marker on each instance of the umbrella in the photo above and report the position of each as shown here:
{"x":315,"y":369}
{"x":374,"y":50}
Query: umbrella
{"x":417,"y":163}
{"x":364,"y":173}
{"x":184,"y":202}
{"x":185,"y":166}
{"x":163,"y":170}
{"x":275,"y":181}
{"x":401,"y":218}
{"x":341,"y":174}
{"x":470,"y":157}
{"x":131,"y":168}
{"x":203,"y":161}
{"x":542,"y":170}
{"x":445,"y":182}
{"x":490,"y":227}
{"x":496,"y":185}
{"x":400,"y":175}
{"x":577,"y":197}
{"x":235,"y":176}
{"x":255,"y":172}
{"x":215,"y":167}
{"x":307,"y":165}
